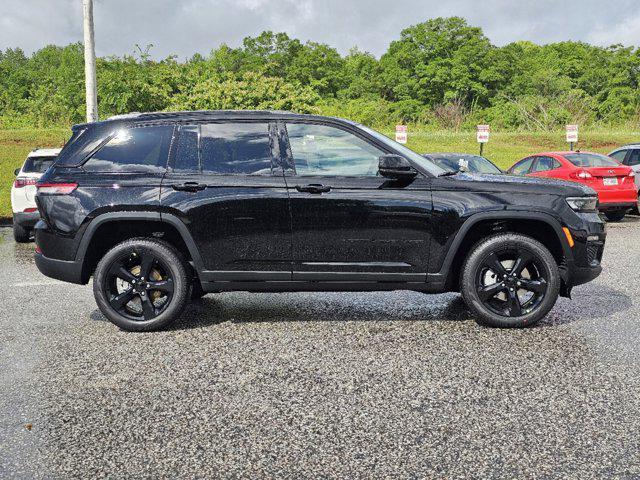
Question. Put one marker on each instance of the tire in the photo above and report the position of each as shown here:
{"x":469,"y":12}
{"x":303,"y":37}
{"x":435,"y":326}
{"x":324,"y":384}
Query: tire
{"x":21,"y":234}
{"x":508,"y":303}
{"x":615,"y":215}
{"x":124,"y":281}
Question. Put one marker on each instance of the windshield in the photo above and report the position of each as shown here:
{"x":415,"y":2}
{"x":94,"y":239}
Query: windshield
{"x":428,"y":165}
{"x":37,"y":164}
{"x":591,"y":160}
{"x":473,"y":163}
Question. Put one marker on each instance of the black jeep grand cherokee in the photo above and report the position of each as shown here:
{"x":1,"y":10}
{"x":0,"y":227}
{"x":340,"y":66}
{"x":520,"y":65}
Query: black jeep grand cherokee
{"x":163,"y":207}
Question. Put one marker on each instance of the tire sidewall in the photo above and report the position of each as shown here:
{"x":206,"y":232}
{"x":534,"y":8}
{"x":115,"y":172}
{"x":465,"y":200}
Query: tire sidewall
{"x":171,"y":259}
{"x":506,"y":241}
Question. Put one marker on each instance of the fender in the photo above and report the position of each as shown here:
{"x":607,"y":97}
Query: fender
{"x":140,"y":216}
{"x":440,"y":278}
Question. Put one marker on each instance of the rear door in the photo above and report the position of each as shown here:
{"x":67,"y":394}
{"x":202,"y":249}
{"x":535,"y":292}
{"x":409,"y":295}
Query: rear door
{"x":349,"y":223}
{"x":226,"y":184}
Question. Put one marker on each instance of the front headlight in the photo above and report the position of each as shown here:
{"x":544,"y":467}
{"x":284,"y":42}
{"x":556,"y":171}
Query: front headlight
{"x":583,"y":204}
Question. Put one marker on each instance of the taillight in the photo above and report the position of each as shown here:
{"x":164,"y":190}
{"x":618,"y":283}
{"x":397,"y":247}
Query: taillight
{"x":582,"y":175}
{"x":30,"y":210}
{"x":23,"y":182}
{"x":56,"y":188}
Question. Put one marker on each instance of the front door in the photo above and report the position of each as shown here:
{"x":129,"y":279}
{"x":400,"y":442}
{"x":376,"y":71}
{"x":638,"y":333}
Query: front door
{"x":226,"y":184}
{"x":348,"y":222}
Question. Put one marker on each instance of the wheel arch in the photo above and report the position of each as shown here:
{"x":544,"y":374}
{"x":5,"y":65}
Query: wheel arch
{"x":109,"y":229}
{"x":543,"y":227}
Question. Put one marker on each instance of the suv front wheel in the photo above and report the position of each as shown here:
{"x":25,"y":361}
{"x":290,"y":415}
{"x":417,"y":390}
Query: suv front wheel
{"x":510,"y":280}
{"x":141,"y":284}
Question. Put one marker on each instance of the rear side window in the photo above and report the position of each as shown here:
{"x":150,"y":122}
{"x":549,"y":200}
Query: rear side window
{"x":544,"y":164}
{"x":141,"y":149}
{"x":591,"y":160}
{"x":224,"y":149}
{"x":523,"y":167}
{"x":634,"y":158}
{"x":236,"y":148}
{"x":37,"y":164}
{"x":619,"y":155}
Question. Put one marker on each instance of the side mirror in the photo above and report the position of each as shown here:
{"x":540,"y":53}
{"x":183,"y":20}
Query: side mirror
{"x":16,"y":172}
{"x":395,"y":167}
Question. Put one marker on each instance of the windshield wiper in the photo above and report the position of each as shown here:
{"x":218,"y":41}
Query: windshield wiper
{"x":449,"y":173}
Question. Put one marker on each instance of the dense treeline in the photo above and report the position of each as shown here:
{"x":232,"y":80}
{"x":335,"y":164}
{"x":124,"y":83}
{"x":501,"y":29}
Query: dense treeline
{"x":442,"y":72}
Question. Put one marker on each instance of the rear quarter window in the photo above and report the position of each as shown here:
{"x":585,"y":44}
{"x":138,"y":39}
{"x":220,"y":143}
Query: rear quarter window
{"x":139,"y":149}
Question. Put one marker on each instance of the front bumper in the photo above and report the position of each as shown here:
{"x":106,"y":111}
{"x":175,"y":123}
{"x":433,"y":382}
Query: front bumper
{"x":589,"y":240}
{"x":26,"y":219}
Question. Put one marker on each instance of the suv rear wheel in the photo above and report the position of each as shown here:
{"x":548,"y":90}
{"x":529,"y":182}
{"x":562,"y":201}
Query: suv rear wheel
{"x":142,"y":284}
{"x":20,"y":234}
{"x":510,"y":280}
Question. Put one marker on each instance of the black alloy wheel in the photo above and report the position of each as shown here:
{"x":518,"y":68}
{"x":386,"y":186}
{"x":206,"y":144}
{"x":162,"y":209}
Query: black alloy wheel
{"x":142,"y":284}
{"x":510,"y":280}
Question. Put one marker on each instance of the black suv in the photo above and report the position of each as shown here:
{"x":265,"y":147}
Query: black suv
{"x":161,"y":208}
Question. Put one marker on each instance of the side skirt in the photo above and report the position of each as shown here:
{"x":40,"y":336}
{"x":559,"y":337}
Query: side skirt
{"x":308,"y":286}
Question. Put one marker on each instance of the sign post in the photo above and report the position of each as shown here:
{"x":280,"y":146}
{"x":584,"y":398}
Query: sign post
{"x":401,"y":134}
{"x":572,"y":135}
{"x":482,"y":135}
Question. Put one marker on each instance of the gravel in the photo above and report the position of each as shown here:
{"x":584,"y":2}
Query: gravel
{"x":320,"y":384}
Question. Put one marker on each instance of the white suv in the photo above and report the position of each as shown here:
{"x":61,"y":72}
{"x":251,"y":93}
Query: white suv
{"x":23,"y":192}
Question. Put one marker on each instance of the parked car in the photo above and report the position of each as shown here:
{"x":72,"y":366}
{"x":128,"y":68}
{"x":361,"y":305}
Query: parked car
{"x":614,"y":183}
{"x":629,"y":155}
{"x":463,"y":161}
{"x":163,"y":207}
{"x":23,"y":191}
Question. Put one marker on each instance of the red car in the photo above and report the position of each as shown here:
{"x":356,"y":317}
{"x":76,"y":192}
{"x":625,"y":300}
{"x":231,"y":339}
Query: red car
{"x":614,"y":182}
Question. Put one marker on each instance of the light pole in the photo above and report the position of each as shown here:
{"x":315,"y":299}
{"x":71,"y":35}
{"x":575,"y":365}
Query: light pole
{"x":90,"y":62}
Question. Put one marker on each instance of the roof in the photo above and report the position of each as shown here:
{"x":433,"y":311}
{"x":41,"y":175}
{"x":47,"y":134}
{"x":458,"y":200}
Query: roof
{"x":44,"y":152}
{"x":210,"y":115}
{"x":628,"y":145}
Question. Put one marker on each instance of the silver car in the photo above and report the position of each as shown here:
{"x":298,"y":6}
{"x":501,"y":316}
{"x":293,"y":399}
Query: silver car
{"x":629,"y":155}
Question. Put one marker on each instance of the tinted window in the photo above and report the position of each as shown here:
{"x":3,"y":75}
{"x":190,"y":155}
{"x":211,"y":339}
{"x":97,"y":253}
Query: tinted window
{"x":330,"y":151}
{"x":522,"y":167}
{"x":619,"y":155}
{"x":236,"y":148}
{"x":186,"y":156}
{"x":37,"y":164}
{"x":545,"y":164}
{"x":142,"y":149}
{"x":634,"y":158}
{"x":590,"y":160}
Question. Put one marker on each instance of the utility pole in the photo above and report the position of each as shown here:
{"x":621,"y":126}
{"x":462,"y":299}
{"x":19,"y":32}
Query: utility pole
{"x":90,"y":61}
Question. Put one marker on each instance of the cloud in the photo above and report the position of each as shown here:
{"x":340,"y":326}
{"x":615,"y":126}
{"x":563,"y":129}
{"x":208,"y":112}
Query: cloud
{"x":188,"y":26}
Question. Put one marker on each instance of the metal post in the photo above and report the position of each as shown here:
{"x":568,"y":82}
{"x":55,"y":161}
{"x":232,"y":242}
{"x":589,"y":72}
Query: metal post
{"x":481,"y":148}
{"x":571,"y":146}
{"x":90,"y":62}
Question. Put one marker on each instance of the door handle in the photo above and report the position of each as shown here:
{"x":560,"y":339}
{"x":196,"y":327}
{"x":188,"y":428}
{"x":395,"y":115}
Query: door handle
{"x":189,"y":187}
{"x":313,"y":188}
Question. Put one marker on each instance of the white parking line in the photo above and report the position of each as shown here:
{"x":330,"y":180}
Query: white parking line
{"x":35,"y":284}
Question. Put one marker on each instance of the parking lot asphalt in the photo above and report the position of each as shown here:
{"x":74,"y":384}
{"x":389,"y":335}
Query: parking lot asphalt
{"x":320,"y":384}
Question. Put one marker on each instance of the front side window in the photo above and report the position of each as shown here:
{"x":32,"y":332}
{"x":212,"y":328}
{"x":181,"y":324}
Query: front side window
{"x":523,"y":167}
{"x":141,"y":149}
{"x":328,"y":151}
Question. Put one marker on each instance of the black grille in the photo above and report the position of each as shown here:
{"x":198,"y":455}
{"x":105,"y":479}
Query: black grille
{"x":594,"y":253}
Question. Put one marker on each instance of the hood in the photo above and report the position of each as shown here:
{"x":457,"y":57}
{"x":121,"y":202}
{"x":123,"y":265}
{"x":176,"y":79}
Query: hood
{"x":517,"y":183}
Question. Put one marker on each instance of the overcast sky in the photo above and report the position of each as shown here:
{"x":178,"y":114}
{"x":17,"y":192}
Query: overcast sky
{"x":184,"y":27}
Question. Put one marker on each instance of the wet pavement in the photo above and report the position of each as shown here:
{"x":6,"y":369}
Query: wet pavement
{"x":320,"y":384}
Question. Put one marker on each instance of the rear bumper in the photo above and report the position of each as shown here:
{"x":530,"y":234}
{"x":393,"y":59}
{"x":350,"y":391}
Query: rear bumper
{"x":616,"y":206}
{"x":26,"y":219}
{"x":67,"y":271}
